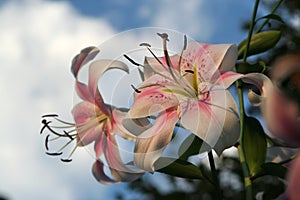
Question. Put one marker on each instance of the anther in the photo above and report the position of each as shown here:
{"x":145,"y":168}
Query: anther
{"x":46,"y":142}
{"x":132,"y":61}
{"x":184,"y":42}
{"x":163,"y":36}
{"x":50,"y":115}
{"x":135,"y":89}
{"x":145,"y":44}
{"x":66,"y":160}
{"x":189,"y":71}
{"x":54,"y":154}
{"x":45,"y":122}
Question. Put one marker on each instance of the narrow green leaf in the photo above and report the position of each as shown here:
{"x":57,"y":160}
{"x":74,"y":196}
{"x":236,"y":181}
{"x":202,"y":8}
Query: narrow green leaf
{"x":273,"y":169}
{"x":245,"y":68}
{"x":271,"y":16}
{"x":260,"y":42}
{"x":190,"y":146}
{"x":178,"y":168}
{"x":255,"y":144}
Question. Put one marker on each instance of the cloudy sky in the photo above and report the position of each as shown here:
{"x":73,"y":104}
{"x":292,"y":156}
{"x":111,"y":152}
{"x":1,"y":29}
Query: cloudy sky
{"x":38,"y":40}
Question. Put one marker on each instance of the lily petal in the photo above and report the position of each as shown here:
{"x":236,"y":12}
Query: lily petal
{"x":224,"y":56}
{"x":231,"y":128}
{"x":85,"y":111}
{"x":99,"y":174}
{"x":85,"y":55}
{"x":97,"y":68}
{"x":212,"y":120}
{"x":98,"y":145}
{"x":83,"y":91}
{"x":87,"y":125}
{"x":117,"y":126}
{"x":228,"y":78}
{"x":151,"y":143}
{"x":152,"y":100}
{"x":119,"y":170}
{"x":209,"y":58}
{"x":261,"y":81}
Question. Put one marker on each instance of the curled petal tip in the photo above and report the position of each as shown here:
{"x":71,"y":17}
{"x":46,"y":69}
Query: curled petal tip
{"x":99,"y":174}
{"x":82,"y":58}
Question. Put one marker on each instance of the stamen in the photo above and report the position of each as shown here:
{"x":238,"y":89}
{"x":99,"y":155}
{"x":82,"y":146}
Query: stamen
{"x":189,"y":71}
{"x":54,"y":154}
{"x":135,"y":89}
{"x":64,"y":146}
{"x":156,"y":58}
{"x":46,"y":125}
{"x":46,"y":142}
{"x":183,"y":49}
{"x":164,"y":36}
{"x":145,"y":44}
{"x":64,"y":122}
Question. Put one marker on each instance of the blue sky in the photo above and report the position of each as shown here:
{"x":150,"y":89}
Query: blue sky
{"x":38,"y":40}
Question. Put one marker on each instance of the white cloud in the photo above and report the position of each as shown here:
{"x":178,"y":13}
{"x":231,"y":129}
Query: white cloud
{"x":38,"y":40}
{"x":188,"y":17}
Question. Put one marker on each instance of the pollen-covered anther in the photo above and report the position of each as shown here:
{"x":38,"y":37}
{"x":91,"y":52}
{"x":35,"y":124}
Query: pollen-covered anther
{"x":135,"y":89}
{"x":189,"y":71}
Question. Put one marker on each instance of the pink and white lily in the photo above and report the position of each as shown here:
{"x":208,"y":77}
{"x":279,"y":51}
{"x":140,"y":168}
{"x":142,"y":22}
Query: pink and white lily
{"x":97,"y":122}
{"x":192,"y":88}
{"x":282,"y":110}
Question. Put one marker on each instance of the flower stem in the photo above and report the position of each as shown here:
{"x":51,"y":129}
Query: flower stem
{"x":251,"y":29}
{"x":245,"y":168}
{"x":268,"y":19}
{"x":214,"y":174}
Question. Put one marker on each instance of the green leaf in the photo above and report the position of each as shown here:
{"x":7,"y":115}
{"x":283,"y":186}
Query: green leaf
{"x":178,"y":168}
{"x":245,"y":68}
{"x":271,"y":16}
{"x":190,"y":146}
{"x":273,"y":169}
{"x":260,"y":42}
{"x":255,"y":144}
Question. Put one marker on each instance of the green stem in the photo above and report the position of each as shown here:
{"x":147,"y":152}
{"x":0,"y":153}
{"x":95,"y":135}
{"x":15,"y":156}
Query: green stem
{"x":268,"y":19}
{"x":251,"y":29}
{"x":214,"y":174}
{"x":245,"y":167}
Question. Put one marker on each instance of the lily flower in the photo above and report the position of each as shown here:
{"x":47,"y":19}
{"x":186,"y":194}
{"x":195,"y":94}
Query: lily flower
{"x":282,"y":110}
{"x":190,"y":87}
{"x":98,"y":122}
